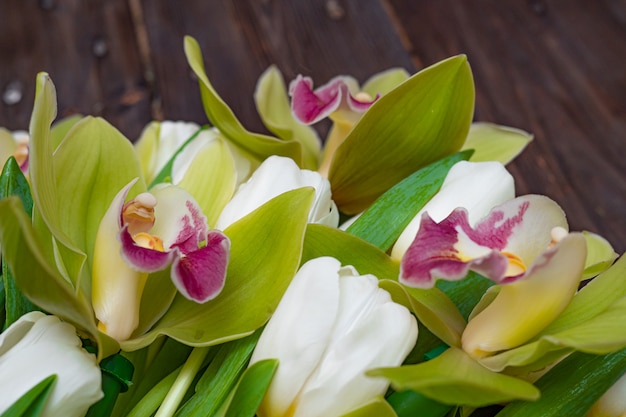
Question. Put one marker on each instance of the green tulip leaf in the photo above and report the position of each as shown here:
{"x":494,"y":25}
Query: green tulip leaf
{"x":390,"y":214}
{"x":422,"y":120}
{"x":600,"y":255}
{"x":385,"y":81}
{"x":411,"y":403}
{"x":572,"y":386}
{"x":92,"y":164}
{"x":251,"y":388}
{"x":219,"y":379}
{"x":495,"y":143}
{"x":323,"y":240}
{"x":265,"y":254}
{"x":32,"y":403}
{"x":222,"y":117}
{"x":456,"y":379}
{"x":272,"y":103}
{"x":211,"y":179}
{"x":40,"y":281}
{"x":377,"y":407}
{"x":13,"y":183}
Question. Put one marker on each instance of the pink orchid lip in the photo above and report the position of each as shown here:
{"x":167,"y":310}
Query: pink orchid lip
{"x":199,"y":256}
{"x":490,"y":248}
{"x":309,"y":106}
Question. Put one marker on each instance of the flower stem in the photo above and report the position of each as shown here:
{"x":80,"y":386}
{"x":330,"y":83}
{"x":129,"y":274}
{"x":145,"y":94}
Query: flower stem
{"x":183,"y":381}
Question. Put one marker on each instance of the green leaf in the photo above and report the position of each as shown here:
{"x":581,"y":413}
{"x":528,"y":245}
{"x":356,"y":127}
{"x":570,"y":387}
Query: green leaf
{"x":272,"y":103}
{"x":40,"y":281}
{"x":222,"y":117}
{"x":389,"y":215}
{"x":422,"y":120}
{"x":377,"y":407}
{"x":211,"y":179}
{"x":454,"y":378}
{"x":495,"y":143}
{"x":265,"y":254}
{"x":92,"y":164}
{"x":600,"y":255}
{"x":13,"y":183}
{"x":251,"y":389}
{"x":148,"y":144}
{"x":220,"y":377}
{"x":410,"y":403}
{"x":33,"y":402}
{"x":572,"y":386}
{"x":466,"y":293}
{"x":323,"y":240}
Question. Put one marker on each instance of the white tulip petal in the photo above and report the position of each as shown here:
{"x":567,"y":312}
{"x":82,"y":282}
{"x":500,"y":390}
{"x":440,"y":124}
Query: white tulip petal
{"x":275,"y":176}
{"x":299,"y":331}
{"x":37,"y":346}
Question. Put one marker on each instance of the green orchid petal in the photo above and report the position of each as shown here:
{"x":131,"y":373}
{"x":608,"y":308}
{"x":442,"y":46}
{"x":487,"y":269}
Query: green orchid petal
{"x":492,"y":142}
{"x":377,"y":407}
{"x":549,"y":286}
{"x":454,"y":378}
{"x":89,"y":173}
{"x":211,"y":179}
{"x":48,"y":213}
{"x":422,"y":120}
{"x":61,"y":128}
{"x":385,"y":81}
{"x":265,"y":254}
{"x":260,"y":146}
{"x":272,"y":103}
{"x":600,"y":255}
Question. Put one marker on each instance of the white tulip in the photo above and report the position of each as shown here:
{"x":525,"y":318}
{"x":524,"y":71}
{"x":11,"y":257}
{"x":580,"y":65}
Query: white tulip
{"x":277,"y":175}
{"x":331,"y":326}
{"x":37,"y":346}
{"x":475,"y":186}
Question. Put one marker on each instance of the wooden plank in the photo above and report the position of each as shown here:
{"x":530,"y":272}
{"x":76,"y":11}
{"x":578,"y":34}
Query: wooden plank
{"x":241,"y":39}
{"x":87,"y":47}
{"x":555,"y":69}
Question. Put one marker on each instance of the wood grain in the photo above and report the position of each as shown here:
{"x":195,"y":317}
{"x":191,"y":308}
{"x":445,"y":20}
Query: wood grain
{"x":554,"y":68}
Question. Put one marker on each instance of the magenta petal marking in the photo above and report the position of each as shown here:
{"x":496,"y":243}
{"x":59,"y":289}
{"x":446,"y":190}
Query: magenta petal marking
{"x":433,"y":254}
{"x":143,"y":259}
{"x":200,"y":275}
{"x":192,"y":230}
{"x":310,"y":106}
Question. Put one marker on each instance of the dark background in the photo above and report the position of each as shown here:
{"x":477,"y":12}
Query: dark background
{"x":555,"y":68}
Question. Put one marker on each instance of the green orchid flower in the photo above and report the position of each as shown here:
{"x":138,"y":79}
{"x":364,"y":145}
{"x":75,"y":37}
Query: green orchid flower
{"x":92,"y":231}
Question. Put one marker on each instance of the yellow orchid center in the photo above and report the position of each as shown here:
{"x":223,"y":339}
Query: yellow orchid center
{"x":516,"y":264}
{"x":138,"y":214}
{"x":146,"y":240}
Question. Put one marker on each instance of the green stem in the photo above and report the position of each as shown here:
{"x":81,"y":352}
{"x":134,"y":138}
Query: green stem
{"x":183,"y":381}
{"x":151,"y":401}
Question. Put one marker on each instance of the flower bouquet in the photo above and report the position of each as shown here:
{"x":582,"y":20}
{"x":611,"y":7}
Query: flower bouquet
{"x":211,"y":271}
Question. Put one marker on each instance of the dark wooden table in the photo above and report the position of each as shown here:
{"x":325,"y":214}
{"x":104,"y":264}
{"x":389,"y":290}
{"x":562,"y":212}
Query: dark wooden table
{"x":555,"y":68}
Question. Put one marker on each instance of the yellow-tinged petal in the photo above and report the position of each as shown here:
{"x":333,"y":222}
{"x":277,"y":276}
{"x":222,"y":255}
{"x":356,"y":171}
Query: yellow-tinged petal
{"x":523,"y":308}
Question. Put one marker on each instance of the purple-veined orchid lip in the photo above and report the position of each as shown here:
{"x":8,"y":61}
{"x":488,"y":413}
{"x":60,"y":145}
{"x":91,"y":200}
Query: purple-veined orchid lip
{"x":200,"y":275}
{"x":310,"y":106}
{"x":495,"y":247}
